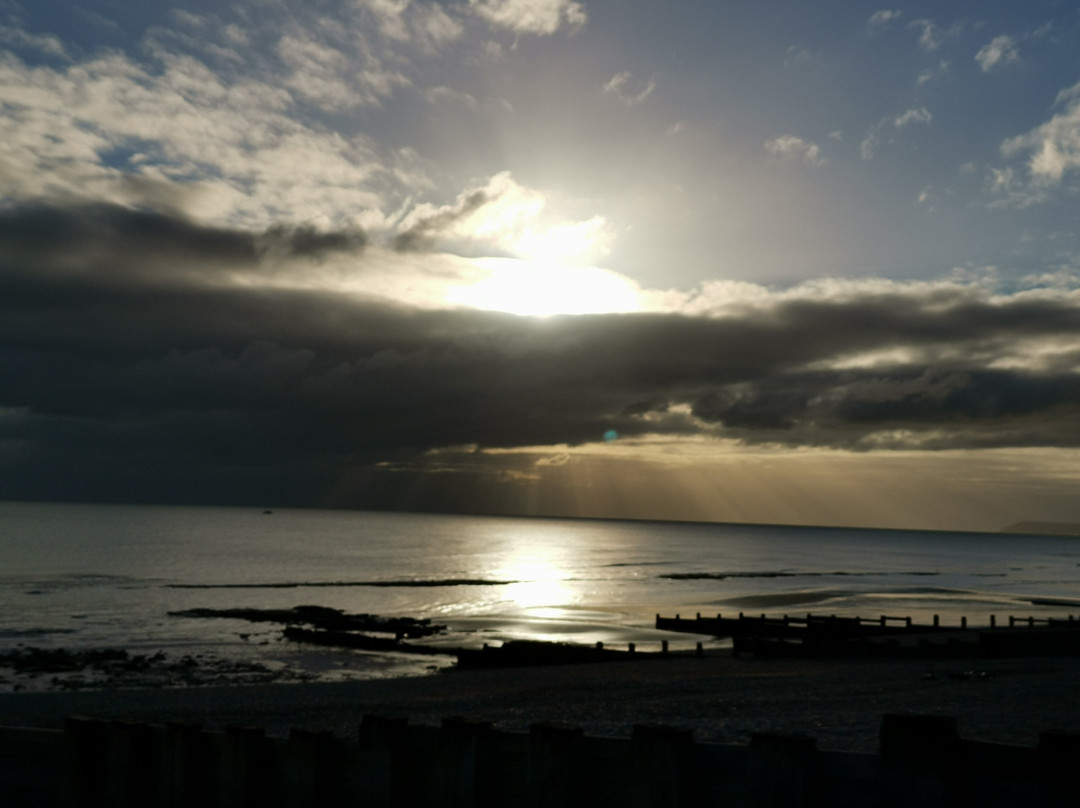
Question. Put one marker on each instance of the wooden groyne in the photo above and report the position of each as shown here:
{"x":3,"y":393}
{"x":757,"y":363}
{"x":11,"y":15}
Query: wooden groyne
{"x":831,"y":635}
{"x":521,"y":653}
{"x":922,"y":761}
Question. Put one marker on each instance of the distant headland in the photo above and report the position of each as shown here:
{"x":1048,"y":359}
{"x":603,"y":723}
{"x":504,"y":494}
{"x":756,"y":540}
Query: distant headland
{"x":1045,"y":528}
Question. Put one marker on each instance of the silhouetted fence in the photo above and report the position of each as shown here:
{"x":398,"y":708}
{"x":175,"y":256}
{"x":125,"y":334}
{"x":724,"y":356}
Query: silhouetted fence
{"x":465,"y":763}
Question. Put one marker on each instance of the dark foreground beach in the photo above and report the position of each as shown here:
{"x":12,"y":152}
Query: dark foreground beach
{"x":722,"y":699}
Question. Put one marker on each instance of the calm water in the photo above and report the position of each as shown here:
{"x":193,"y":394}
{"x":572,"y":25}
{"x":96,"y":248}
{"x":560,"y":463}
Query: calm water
{"x":94,"y":576}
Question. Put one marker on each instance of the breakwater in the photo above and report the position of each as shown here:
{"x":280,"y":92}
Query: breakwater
{"x":885,"y":635}
{"x":464,"y":763}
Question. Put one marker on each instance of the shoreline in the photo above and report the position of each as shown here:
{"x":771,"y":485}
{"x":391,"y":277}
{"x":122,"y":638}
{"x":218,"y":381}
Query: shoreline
{"x":720,"y":698}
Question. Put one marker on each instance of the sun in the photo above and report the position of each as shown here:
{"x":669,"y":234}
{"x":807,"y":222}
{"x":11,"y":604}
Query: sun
{"x":543,"y":287}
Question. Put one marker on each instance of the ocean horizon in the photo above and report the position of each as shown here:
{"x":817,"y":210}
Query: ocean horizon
{"x":88,"y":577}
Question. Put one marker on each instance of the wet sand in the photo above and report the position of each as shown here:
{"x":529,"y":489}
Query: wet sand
{"x":721,"y":699}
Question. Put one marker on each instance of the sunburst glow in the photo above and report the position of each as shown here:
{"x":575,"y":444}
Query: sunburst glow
{"x":543,"y":288}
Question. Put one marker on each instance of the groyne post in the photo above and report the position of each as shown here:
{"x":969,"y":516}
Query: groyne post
{"x":783,"y":771}
{"x":662,"y":758}
{"x":920,"y":756}
{"x":383,"y":753}
{"x":88,"y":764}
{"x":245,"y":767}
{"x":315,"y":772}
{"x":1057,"y":754}
{"x":185,"y":766}
{"x":134,"y":752}
{"x":465,"y":775}
{"x":555,"y":775}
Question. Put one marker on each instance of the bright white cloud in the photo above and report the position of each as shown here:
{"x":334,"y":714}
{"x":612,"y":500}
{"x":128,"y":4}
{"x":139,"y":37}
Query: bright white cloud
{"x":1000,"y":51}
{"x":530,"y":16}
{"x":504,"y":217}
{"x":790,"y":146}
{"x":115,"y":130}
{"x":1054,"y":147}
{"x":622,"y":86}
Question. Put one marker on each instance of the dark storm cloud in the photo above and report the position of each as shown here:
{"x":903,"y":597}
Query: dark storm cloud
{"x":306,"y":241}
{"x":108,"y":239}
{"x":148,"y":383}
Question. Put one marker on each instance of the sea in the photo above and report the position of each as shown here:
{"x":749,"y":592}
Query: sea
{"x":84,"y":578}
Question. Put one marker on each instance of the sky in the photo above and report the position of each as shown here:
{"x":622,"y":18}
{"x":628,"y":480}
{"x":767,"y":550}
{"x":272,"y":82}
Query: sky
{"x":784,"y":262}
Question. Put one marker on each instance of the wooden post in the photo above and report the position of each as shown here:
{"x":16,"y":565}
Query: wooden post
{"x":385,"y":756}
{"x":135,"y":760}
{"x":1057,"y":754}
{"x":632,"y":648}
{"x":963,"y":622}
{"x":464,"y":763}
{"x":700,"y":652}
{"x":920,"y":761}
{"x":245,"y":767}
{"x":556,"y":775}
{"x":661,"y":757}
{"x":87,"y":750}
{"x":664,"y":647}
{"x":993,"y":620}
{"x":315,"y":769}
{"x":186,"y":768}
{"x":783,"y":770}
{"x":937,"y":621}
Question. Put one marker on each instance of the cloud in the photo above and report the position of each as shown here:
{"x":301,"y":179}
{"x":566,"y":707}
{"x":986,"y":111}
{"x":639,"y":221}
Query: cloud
{"x":872,"y":142}
{"x":1000,"y":51}
{"x":933,"y":73}
{"x":426,"y":223}
{"x":790,"y":146}
{"x":328,"y":78}
{"x":502,"y":218}
{"x":880,"y":20}
{"x":929,"y":34}
{"x":175,"y":134}
{"x":619,"y":86}
{"x":43,"y":43}
{"x":1054,"y":146}
{"x":919,"y":116}
{"x":541,"y":17}
{"x":140,"y":358}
